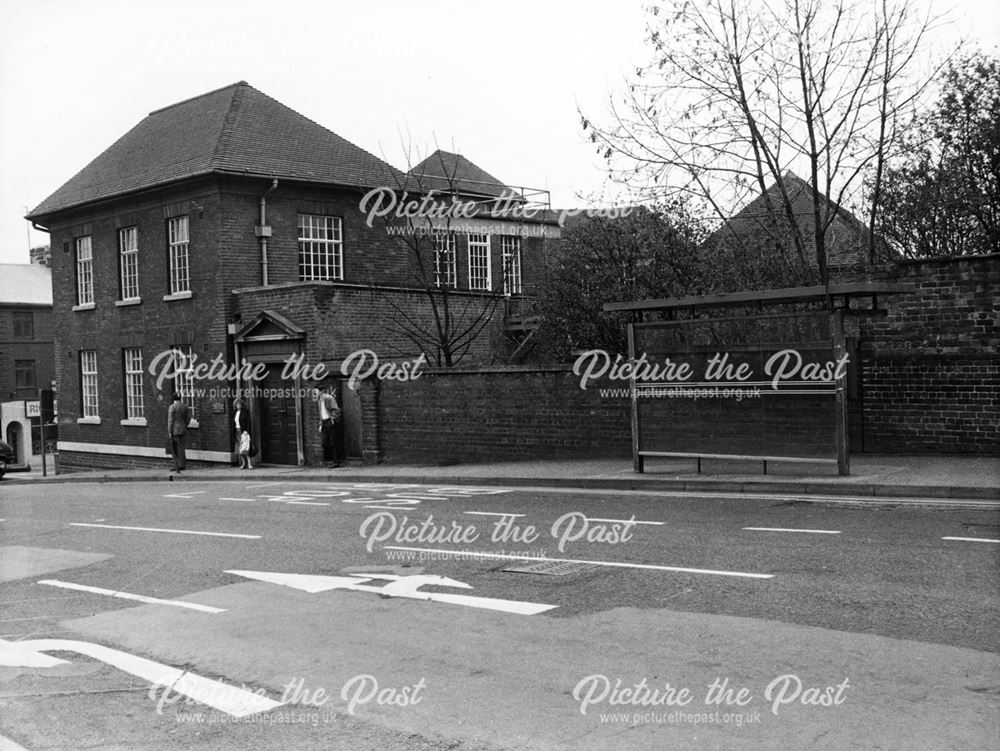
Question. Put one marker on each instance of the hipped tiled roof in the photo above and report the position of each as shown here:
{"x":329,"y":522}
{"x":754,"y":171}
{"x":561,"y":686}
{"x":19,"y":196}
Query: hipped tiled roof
{"x":233,"y":130}
{"x":447,"y":172}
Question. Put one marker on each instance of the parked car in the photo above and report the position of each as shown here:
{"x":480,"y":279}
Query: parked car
{"x":6,"y":457}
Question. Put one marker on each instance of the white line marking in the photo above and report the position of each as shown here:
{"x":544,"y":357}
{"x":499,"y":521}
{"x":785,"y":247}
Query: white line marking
{"x":173,"y":531}
{"x":262,"y":485}
{"x":230,"y":699}
{"x":488,"y":513}
{"x":970,"y":539}
{"x":128,"y":596}
{"x":613,"y":564}
{"x":246,"y":500}
{"x":306,"y":503}
{"x":386,"y":508}
{"x":784,"y":529}
{"x":623,"y":521}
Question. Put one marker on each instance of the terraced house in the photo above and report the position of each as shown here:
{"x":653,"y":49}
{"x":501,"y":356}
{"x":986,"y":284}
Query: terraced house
{"x":228,"y":229}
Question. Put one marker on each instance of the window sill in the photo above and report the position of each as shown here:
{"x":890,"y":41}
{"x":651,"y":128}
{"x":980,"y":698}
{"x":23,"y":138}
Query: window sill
{"x":84,"y":306}
{"x":88,"y":421}
{"x":132,"y":301}
{"x":186,"y":295}
{"x":135,"y":422}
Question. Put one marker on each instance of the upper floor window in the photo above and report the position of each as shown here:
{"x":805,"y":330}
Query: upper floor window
{"x":134,"y":406}
{"x":510,"y":246}
{"x":88,"y":382}
{"x":128,"y":251}
{"x":445,"y":271}
{"x":24,"y":324}
{"x":480,"y":273}
{"x":84,"y":271}
{"x":25,"y":376}
{"x":177,"y":243}
{"x":321,"y":248}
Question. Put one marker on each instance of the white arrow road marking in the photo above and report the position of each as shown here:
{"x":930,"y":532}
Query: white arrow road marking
{"x":234,"y":701}
{"x":173,"y":531}
{"x":399,"y":586}
{"x":128,"y":596}
{"x":613,"y":564}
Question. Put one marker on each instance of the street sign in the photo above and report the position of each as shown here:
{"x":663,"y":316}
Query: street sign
{"x":33,"y":409}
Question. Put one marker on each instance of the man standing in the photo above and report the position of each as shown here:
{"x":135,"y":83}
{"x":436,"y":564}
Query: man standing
{"x":178,"y":417}
{"x":329,"y":416}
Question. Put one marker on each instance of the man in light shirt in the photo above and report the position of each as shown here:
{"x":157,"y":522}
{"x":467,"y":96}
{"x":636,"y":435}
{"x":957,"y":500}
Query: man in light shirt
{"x":329,"y":416}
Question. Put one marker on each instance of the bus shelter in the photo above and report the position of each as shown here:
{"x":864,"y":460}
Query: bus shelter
{"x":748,"y":375}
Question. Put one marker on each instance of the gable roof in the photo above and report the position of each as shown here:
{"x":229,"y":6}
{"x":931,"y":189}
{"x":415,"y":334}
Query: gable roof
{"x":445,"y":171}
{"x":846,"y":239}
{"x":233,"y":130}
{"x":24,"y":283}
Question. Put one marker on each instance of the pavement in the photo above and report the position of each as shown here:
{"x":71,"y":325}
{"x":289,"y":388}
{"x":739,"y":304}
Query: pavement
{"x":933,"y":478}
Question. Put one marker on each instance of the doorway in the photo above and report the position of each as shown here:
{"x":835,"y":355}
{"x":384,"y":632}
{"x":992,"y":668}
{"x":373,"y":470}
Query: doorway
{"x":277,"y":441}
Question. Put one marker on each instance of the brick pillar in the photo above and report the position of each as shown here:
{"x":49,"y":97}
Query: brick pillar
{"x":370,"y":391}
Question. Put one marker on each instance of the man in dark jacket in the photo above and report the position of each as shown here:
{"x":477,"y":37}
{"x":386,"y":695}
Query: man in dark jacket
{"x":178,"y":417}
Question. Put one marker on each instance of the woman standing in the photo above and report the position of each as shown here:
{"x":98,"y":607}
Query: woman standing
{"x":241,"y":421}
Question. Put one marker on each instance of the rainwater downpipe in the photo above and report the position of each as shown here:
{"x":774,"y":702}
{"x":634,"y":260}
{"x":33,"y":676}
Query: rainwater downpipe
{"x":263,"y":231}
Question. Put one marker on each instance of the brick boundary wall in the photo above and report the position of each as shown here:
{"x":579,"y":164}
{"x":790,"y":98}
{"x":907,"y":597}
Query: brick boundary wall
{"x":930,"y":369}
{"x":499,"y":414}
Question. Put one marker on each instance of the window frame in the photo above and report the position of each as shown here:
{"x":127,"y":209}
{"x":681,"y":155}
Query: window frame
{"x":510,"y":250}
{"x":17,"y":320}
{"x":485,"y":247}
{"x":128,"y":264}
{"x":183,"y":382}
{"x":89,"y":408}
{"x":20,"y":368}
{"x":84,"y":270}
{"x":135,"y":406}
{"x":320,"y":247}
{"x":446,"y":249}
{"x":178,"y":274}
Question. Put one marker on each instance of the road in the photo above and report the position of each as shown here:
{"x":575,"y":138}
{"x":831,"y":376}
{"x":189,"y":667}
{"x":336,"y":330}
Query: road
{"x":386,"y":616}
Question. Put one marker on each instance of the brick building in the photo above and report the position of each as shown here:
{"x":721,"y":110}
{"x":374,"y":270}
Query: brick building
{"x":227,"y":229}
{"x":26,"y":350}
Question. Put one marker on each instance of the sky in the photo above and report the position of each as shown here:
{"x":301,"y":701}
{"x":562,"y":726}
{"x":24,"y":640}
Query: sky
{"x":501,"y":83}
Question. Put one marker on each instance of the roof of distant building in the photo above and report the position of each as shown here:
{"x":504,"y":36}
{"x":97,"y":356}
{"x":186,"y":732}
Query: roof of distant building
{"x":234,"y":130}
{"x":445,"y":171}
{"x":25,"y":283}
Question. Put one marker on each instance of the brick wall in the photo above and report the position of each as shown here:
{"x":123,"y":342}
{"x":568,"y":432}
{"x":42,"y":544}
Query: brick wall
{"x":929,"y":370}
{"x":498,"y":414}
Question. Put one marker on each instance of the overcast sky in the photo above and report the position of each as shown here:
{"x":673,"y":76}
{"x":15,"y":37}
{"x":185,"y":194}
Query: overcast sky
{"x":498,"y":82}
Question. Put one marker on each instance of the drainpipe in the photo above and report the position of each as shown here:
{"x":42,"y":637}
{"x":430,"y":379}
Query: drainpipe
{"x":263,"y":231}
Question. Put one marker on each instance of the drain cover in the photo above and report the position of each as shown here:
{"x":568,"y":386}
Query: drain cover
{"x":551,"y":568}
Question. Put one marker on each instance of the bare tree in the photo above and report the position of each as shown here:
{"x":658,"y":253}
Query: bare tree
{"x":452,"y":322}
{"x":740,"y":93}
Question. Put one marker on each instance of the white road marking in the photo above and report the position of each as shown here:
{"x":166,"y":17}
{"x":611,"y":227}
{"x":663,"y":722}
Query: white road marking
{"x":129,"y":596}
{"x":405,"y":587}
{"x":245,"y":500}
{"x":233,"y":700}
{"x":385,"y":508}
{"x":623,"y":521}
{"x":185,"y":496}
{"x":612,"y":564}
{"x":784,"y":529}
{"x":306,"y":503}
{"x":262,"y":485}
{"x":487,"y":513}
{"x":970,"y":539}
{"x":172,"y":531}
